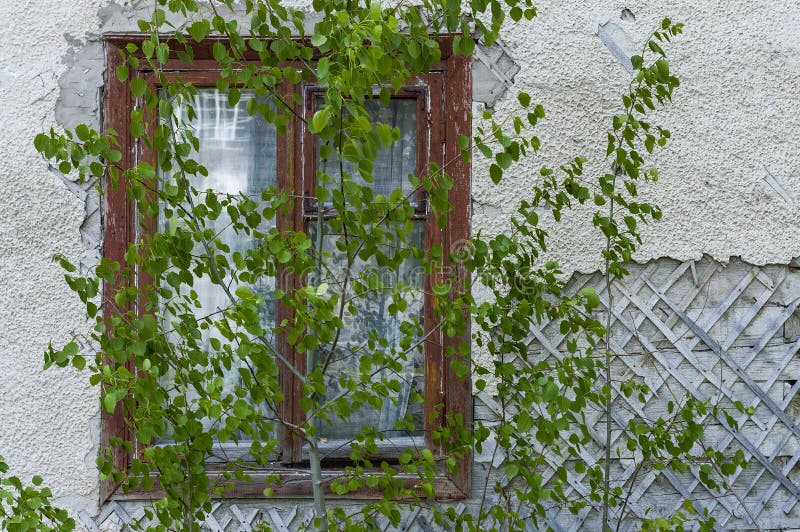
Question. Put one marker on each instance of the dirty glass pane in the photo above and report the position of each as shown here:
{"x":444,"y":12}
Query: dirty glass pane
{"x":392,"y":165}
{"x":239,"y":151}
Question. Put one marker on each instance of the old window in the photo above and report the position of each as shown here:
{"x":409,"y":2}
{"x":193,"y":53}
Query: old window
{"x":245,"y":154}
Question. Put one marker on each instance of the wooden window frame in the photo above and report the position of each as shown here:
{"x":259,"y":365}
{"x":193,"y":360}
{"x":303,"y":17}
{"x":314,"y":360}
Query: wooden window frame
{"x":446,"y":101}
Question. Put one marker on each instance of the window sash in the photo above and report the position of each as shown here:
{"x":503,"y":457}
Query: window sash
{"x":419,"y":92}
{"x":427,"y":92}
{"x":240,"y":154}
{"x":448,"y":83}
{"x":299,"y":219}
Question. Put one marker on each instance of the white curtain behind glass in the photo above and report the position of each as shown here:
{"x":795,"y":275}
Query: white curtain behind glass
{"x":390,"y":172}
{"x":239,"y":151}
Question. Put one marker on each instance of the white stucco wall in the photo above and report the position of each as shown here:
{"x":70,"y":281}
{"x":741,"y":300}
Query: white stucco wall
{"x":735,"y":121}
{"x":48,"y":420}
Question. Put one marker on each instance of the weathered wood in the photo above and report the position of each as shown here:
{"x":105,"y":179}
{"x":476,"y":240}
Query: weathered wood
{"x":119,"y":229}
{"x":458,"y":391}
{"x":444,"y":109}
{"x":740,"y":372}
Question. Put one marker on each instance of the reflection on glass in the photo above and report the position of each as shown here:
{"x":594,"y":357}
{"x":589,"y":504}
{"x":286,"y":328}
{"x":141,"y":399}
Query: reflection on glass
{"x":392,"y":165}
{"x":239,"y":152}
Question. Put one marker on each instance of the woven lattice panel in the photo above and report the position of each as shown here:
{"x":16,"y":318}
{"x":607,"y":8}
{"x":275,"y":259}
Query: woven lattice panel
{"x":223,"y":517}
{"x":725,"y":332}
{"x":245,"y":517}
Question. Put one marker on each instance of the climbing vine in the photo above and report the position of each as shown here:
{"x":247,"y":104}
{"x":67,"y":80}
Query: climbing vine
{"x":193,"y":378}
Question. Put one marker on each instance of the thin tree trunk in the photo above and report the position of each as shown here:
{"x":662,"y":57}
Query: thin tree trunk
{"x":314,"y":459}
{"x":315,"y":463}
{"x":608,"y":358}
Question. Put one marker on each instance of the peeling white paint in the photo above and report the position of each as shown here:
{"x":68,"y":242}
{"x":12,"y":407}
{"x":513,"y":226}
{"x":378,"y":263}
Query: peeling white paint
{"x":613,"y":33}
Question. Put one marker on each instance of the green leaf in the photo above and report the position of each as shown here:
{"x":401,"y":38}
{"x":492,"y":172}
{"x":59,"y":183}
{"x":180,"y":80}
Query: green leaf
{"x":162,"y":52}
{"x":41,"y":142}
{"x":122,"y":72}
{"x":138,"y":87}
{"x":244,"y":292}
{"x":320,"y":120}
{"x":504,"y":160}
{"x":512,"y":470}
{"x":485,"y":150}
{"x":233,"y":96}
{"x":323,"y":66}
{"x":33,"y":503}
{"x":524,"y":99}
{"x":199,"y":30}
{"x":656,"y":48}
{"x":592,"y":299}
{"x":148,"y":47}
{"x":82,"y":132}
{"x":318,"y":39}
{"x":219,"y":51}
{"x":496,"y":173}
{"x":109,"y":403}
{"x":137,"y":126}
{"x":663,"y":67}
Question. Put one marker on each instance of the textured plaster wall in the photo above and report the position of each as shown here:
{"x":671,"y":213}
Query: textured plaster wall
{"x":48,"y":420}
{"x":730,"y":180}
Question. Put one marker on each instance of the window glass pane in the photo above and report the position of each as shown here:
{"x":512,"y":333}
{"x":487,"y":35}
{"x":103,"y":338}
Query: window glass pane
{"x":392,"y":165}
{"x":372,"y":313}
{"x":239,"y":151}
{"x":390,"y":171}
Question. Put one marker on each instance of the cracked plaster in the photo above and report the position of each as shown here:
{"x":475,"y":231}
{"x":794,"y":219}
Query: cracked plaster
{"x":729,"y":182}
{"x":733,"y":123}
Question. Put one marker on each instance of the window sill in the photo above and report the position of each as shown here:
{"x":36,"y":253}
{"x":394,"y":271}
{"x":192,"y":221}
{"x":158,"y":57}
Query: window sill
{"x":296,"y":483}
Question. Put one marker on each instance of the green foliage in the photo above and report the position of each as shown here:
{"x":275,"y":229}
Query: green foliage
{"x":166,"y":361}
{"x":28,"y":507}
